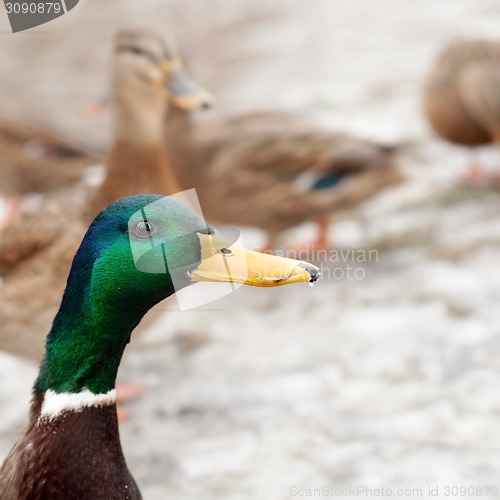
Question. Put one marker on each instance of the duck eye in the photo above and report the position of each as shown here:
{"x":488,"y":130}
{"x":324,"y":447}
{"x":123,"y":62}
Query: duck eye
{"x":144,"y":229}
{"x":141,"y":52}
{"x":226,"y":251}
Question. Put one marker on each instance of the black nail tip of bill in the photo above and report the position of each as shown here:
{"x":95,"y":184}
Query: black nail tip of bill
{"x":312,"y":270}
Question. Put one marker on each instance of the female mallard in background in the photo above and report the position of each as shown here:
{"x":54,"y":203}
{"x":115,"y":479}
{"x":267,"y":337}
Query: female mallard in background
{"x":36,"y":251}
{"x":462,"y":95}
{"x":71,"y":447}
{"x":275,"y":171}
{"x":145,"y":71}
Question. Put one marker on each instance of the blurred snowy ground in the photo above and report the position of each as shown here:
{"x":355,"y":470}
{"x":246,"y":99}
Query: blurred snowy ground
{"x":390,"y":381}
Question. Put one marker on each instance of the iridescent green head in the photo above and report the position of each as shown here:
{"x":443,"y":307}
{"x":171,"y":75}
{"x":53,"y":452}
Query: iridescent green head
{"x":138,"y":251}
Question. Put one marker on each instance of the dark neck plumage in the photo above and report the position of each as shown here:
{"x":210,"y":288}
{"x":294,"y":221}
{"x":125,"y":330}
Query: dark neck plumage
{"x":71,"y":448}
{"x":74,"y":455}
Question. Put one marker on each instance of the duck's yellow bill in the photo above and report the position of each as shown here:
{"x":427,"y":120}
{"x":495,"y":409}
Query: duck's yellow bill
{"x":184,"y":92}
{"x":224,"y":262}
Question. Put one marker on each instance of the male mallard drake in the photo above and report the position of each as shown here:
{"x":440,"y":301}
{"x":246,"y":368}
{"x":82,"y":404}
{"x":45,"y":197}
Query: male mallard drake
{"x":36,"y":252}
{"x":71,"y":447}
{"x":274,"y":170}
{"x":462,"y":94}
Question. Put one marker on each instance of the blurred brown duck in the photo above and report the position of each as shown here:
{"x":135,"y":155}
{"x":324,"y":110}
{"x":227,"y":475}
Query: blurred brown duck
{"x":37,"y":162}
{"x":275,"y":171}
{"x":462,"y":95}
{"x":36,"y":251}
{"x":147,"y":77}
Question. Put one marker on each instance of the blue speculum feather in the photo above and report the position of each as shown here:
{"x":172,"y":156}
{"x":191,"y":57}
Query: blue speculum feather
{"x":328,"y":181}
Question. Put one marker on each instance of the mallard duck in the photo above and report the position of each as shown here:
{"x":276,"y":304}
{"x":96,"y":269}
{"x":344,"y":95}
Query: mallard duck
{"x":272,"y":170}
{"x":275,"y":171}
{"x":145,"y":77}
{"x":461,"y":95}
{"x":71,"y":447}
{"x":36,"y":252}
